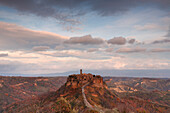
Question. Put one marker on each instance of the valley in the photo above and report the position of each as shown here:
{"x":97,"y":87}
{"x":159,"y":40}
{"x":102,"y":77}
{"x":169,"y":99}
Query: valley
{"x":84,"y":92}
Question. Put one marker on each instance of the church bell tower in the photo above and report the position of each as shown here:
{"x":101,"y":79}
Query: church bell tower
{"x":81,"y":72}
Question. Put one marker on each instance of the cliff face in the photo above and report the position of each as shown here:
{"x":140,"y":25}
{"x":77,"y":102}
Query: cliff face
{"x":78,"y":80}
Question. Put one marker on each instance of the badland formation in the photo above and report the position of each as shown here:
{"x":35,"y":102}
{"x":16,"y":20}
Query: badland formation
{"x":84,"y":93}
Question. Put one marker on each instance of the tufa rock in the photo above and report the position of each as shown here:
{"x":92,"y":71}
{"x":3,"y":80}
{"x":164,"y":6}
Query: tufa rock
{"x":78,"y":80}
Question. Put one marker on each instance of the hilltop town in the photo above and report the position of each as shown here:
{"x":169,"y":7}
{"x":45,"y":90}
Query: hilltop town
{"x":78,"y":80}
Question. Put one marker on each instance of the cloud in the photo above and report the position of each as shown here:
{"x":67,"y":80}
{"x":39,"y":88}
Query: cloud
{"x":55,"y":61}
{"x":161,"y":41}
{"x":103,"y":7}
{"x":92,"y":49}
{"x":168,"y":34}
{"x":40,"y":48}
{"x":117,"y":41}
{"x":15,"y":67}
{"x":85,"y":40}
{"x":109,"y":7}
{"x":130,"y":50}
{"x":147,"y":64}
{"x":17,"y":37}
{"x":165,"y":40}
{"x":131,"y":41}
{"x":109,"y":49}
{"x":6,"y":66}
{"x":160,"y":50}
{"x":69,"y":11}
{"x":69,"y":60}
{"x":43,"y":8}
{"x":3,"y":54}
{"x":86,"y":54}
{"x":148,"y":27}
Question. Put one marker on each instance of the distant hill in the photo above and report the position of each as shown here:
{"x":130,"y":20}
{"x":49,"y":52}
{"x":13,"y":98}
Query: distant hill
{"x":113,"y":73}
{"x":149,"y":89}
{"x":125,"y":84}
{"x":13,"y":89}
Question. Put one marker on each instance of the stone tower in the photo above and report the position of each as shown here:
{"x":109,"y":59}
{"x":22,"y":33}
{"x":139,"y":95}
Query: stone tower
{"x":81,"y":72}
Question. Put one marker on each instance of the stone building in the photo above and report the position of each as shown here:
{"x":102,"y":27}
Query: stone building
{"x":78,"y":80}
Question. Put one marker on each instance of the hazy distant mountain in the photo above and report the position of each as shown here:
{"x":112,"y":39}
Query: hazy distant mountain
{"x":114,"y":73}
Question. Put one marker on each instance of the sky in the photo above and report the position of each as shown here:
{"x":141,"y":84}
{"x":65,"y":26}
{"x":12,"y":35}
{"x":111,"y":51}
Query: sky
{"x":55,"y":36}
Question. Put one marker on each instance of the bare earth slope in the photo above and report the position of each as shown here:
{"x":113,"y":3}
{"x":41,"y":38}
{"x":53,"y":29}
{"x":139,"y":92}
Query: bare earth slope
{"x":15,"y":89}
{"x":87,"y":93}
